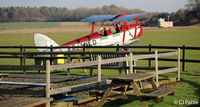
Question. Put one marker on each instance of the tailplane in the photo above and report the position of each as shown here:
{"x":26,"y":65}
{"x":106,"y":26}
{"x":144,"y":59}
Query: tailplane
{"x":42,"y":40}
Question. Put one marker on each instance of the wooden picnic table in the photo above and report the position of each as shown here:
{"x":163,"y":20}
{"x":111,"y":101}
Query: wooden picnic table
{"x":135,"y":80}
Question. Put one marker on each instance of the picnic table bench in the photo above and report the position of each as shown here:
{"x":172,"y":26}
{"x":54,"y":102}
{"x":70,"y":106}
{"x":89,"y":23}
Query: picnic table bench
{"x":26,"y":102}
{"x":135,"y":81}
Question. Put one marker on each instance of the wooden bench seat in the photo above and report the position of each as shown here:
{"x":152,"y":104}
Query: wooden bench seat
{"x":96,"y":93}
{"x":159,"y":93}
{"x":24,"y":83}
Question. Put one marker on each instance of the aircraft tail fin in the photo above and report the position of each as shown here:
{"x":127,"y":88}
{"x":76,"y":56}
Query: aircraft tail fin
{"x":42,"y":40}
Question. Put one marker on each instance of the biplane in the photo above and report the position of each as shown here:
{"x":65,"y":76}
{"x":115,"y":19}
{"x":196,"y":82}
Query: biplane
{"x":124,"y":34}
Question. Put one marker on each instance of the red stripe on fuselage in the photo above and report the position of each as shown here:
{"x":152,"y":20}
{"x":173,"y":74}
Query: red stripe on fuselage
{"x":83,"y":39}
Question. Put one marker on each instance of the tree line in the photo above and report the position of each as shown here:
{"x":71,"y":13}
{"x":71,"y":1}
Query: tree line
{"x":188,"y":16}
{"x":48,"y":14}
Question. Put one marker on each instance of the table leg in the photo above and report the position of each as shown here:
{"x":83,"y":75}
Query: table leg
{"x":125,"y":87}
{"x":138,"y":93}
{"x":153,"y":83}
{"x":106,"y":94}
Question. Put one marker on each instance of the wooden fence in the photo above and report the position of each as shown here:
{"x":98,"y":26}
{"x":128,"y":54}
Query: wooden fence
{"x":23,"y":55}
{"x":99,"y":62}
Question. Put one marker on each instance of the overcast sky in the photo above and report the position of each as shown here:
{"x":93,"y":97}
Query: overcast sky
{"x":147,"y":5}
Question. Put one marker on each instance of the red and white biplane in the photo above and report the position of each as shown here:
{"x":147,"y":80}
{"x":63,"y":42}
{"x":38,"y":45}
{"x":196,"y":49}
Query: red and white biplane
{"x":124,"y":34}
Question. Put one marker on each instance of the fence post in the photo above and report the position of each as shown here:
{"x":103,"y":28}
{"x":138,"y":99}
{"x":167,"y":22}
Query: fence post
{"x":183,"y":59}
{"x":126,"y":72}
{"x":131,"y":63}
{"x":134,"y":64}
{"x":21,"y":49}
{"x":83,"y":53}
{"x":68,"y":61}
{"x":149,"y":51}
{"x":156,"y":67}
{"x":91,"y":70}
{"x":179,"y":62}
{"x":24,"y":61}
{"x":99,"y":71}
{"x":48,"y":81}
{"x":51,"y":49}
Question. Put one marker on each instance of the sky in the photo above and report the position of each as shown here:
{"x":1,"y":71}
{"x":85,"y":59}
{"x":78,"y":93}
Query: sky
{"x":146,"y":5}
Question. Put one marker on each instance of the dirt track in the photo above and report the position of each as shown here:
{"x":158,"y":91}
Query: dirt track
{"x":47,"y":30}
{"x":63,"y":29}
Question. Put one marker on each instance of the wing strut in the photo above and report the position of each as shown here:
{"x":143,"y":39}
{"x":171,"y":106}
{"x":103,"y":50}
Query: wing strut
{"x":93,"y":27}
{"x":102,"y":27}
{"x":135,"y":35}
{"x":124,"y":31}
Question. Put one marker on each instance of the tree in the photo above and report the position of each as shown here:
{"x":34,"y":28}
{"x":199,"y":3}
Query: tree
{"x":193,"y":5}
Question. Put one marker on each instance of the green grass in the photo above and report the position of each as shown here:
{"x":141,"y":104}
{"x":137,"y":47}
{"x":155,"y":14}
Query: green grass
{"x":189,"y":89}
{"x":23,"y":25}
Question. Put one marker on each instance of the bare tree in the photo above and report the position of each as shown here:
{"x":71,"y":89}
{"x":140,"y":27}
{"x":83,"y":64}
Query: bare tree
{"x":193,"y":5}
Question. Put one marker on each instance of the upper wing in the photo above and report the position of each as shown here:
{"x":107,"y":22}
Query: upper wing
{"x":99,"y":18}
{"x":114,"y":18}
{"x":127,"y":17}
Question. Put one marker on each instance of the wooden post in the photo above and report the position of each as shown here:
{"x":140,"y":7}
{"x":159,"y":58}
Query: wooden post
{"x":68,"y":61}
{"x":131,"y":62}
{"x":91,"y":70}
{"x":179,"y":63}
{"x":126,"y":72}
{"x":134,"y":65}
{"x":120,"y":63}
{"x":48,"y":81}
{"x":51,"y":49}
{"x":156,"y":67}
{"x":84,"y":54}
{"x":99,"y":70}
{"x":149,"y":51}
{"x":21,"y":61}
{"x":183,"y":59}
{"x":24,"y":61}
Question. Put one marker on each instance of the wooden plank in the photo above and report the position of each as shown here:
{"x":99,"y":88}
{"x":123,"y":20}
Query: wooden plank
{"x":156,"y":67}
{"x":79,"y":87}
{"x":3,"y":75}
{"x":114,"y":60}
{"x":99,"y":69}
{"x":153,"y":83}
{"x":131,"y":63}
{"x":134,"y":65}
{"x":138,"y":93}
{"x":48,"y":80}
{"x":106,"y":94}
{"x":134,"y":77}
{"x":167,"y":54}
{"x":70,"y":98}
{"x":168,"y":70}
{"x":143,"y":56}
{"x":23,"y":83}
{"x":106,"y":61}
{"x":40,"y":102}
{"x":25,"y":102}
{"x":126,"y":72}
{"x":160,"y":93}
{"x":17,"y":67}
{"x":179,"y":64}
{"x":73,"y":65}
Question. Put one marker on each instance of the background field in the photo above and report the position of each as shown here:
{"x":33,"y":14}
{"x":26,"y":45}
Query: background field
{"x":64,"y":32}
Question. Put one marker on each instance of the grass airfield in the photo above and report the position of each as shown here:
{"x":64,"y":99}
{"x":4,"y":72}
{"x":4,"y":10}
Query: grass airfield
{"x":61,"y":32}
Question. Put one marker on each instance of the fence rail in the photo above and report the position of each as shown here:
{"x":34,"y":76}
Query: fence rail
{"x":23,"y":54}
